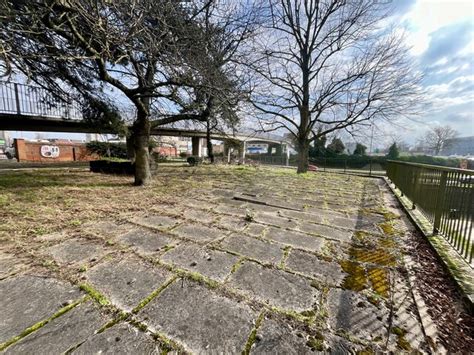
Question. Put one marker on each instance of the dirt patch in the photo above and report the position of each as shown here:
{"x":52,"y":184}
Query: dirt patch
{"x":455,"y":325}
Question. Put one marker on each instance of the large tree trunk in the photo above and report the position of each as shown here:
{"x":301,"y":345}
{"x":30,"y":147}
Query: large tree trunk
{"x":141,"y":139}
{"x":303,"y":153}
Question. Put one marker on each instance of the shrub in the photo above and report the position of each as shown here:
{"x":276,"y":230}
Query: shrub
{"x":106,"y":149}
{"x":194,"y":160}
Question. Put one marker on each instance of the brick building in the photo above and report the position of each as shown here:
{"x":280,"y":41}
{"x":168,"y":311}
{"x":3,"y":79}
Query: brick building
{"x":51,"y":151}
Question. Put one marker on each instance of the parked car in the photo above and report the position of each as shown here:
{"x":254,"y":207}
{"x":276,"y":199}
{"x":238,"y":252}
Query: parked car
{"x":10,"y":152}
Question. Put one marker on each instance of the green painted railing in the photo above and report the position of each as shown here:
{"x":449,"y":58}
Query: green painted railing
{"x":444,"y":196}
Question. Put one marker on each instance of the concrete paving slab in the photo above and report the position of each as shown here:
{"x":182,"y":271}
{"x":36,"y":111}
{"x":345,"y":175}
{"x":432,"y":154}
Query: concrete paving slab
{"x":233,"y":223}
{"x":145,"y":242}
{"x":275,"y":220}
{"x":253,"y":248}
{"x":199,"y":215}
{"x":108,"y":228}
{"x":126,"y":282}
{"x":353,"y":314}
{"x":75,"y":251}
{"x":158,"y":221}
{"x":62,"y":333}
{"x":199,"y":233}
{"x":274,"y":286}
{"x":301,"y":215}
{"x":119,"y":339}
{"x":231,"y":209}
{"x":255,"y":229}
{"x":275,"y":338}
{"x":26,"y":300}
{"x":325,"y":231}
{"x":199,"y":319}
{"x":311,"y":265}
{"x":294,"y":239}
{"x":211,"y":263}
{"x":10,"y":264}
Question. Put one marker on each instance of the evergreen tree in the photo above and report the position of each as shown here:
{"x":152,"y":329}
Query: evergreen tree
{"x":336,"y":146}
{"x":360,"y":149}
{"x":393,"y":152}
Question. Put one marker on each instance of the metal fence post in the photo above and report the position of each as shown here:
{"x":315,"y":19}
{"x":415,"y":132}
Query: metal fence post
{"x":370,"y":162}
{"x":17,"y":98}
{"x":324,"y":163}
{"x":440,"y":201}
{"x":345,"y":165}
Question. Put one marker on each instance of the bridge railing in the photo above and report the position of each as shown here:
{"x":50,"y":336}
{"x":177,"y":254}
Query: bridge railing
{"x":445,"y":198}
{"x":29,"y":100}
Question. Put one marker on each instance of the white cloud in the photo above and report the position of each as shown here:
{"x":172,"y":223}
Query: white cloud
{"x":426,"y":16}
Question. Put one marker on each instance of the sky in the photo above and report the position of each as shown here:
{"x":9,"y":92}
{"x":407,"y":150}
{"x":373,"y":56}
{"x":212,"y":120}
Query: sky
{"x":441,"y":36}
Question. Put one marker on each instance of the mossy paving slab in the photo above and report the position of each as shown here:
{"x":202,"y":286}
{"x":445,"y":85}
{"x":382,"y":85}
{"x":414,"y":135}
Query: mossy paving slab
{"x":199,"y":319}
{"x":126,"y":282}
{"x":276,"y":287}
{"x":351,"y":313}
{"x":145,"y":242}
{"x":75,"y":251}
{"x":253,"y":248}
{"x":27,"y":300}
{"x":279,"y":338}
{"x":211,"y":263}
{"x":119,"y":339}
{"x":311,"y":265}
{"x":62,"y":333}
{"x":294,"y":239}
{"x":157,"y":221}
{"x":199,"y":233}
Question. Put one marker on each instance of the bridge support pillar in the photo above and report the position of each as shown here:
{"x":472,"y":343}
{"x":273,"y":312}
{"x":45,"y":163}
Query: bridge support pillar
{"x":242,"y":148}
{"x":196,"y":143}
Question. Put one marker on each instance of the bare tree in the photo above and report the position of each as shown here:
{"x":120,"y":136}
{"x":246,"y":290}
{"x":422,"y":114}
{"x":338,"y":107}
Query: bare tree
{"x":439,"y":138}
{"x":108,"y":51}
{"x":224,"y":29}
{"x":329,"y":63}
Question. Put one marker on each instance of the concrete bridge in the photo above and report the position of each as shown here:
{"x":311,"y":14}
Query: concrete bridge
{"x":32,"y":108}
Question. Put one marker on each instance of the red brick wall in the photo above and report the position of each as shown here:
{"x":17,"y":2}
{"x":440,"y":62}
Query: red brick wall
{"x":166,"y":151}
{"x":31,"y":151}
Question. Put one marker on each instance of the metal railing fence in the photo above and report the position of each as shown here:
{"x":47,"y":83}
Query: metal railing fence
{"x":444,"y":196}
{"x":29,"y":100}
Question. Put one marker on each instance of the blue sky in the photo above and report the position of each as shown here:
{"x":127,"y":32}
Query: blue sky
{"x":441,"y":36}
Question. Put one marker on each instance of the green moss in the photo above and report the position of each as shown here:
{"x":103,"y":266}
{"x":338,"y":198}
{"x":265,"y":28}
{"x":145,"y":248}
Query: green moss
{"x":253,"y":334}
{"x":236,"y":266}
{"x":402,"y":342}
{"x":379,"y":281}
{"x":152,"y":295}
{"x":377,"y":256}
{"x":309,"y":313}
{"x":96,"y":295}
{"x":315,"y":344}
{"x":41,"y":324}
{"x":387,"y":228}
{"x":356,"y":279}
{"x":286,"y":252}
